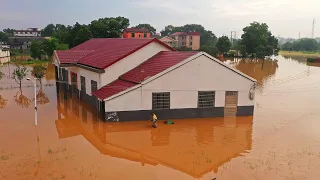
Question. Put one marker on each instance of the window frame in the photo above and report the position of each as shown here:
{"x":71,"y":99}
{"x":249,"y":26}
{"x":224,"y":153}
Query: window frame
{"x":83,"y":87}
{"x":161,"y":100}
{"x":133,"y":35}
{"x":207,"y":102}
{"x":92,"y":87}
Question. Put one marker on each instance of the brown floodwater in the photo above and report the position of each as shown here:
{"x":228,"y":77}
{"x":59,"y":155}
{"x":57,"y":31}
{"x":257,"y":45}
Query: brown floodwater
{"x":281,"y":140}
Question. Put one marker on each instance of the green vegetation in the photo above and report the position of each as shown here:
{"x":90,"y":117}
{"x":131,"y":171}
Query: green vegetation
{"x":147,"y":26}
{"x":304,"y":44}
{"x":45,"y":48}
{"x":19,"y":73}
{"x":257,"y":41}
{"x":39,"y":71}
{"x":223,"y":44}
{"x":299,"y":53}
{"x":29,"y":62}
{"x":1,"y":75}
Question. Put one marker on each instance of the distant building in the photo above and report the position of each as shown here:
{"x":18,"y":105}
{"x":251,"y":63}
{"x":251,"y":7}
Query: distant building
{"x":136,"y":33}
{"x":187,"y":39}
{"x":30,"y":32}
{"x":169,"y":41}
{"x":22,"y":43}
{"x":4,"y":54}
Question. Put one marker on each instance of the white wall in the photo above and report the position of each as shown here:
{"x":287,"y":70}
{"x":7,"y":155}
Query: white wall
{"x":201,"y":74}
{"x":89,"y":75}
{"x":114,"y":71}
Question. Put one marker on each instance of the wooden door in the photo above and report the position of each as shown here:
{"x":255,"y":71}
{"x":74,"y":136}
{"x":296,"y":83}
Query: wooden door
{"x":231,"y":103}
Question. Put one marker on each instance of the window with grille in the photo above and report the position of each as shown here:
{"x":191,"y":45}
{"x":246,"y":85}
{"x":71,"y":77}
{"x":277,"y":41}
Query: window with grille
{"x":83,"y":83}
{"x":206,"y":99}
{"x":161,"y":100}
{"x":94,"y":86}
{"x":132,"y":35}
{"x":231,"y":93}
{"x":65,"y":75}
{"x":145,"y":35}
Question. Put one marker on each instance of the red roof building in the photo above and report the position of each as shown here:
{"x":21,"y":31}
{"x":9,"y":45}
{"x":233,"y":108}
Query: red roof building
{"x":127,"y":79}
{"x":136,"y":33}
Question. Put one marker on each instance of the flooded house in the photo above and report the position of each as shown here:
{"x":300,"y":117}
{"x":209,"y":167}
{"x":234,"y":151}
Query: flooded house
{"x":4,"y":54}
{"x":127,"y":79}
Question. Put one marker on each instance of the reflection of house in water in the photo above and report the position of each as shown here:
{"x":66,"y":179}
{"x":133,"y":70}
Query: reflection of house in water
{"x":258,"y":69}
{"x":195,"y":147}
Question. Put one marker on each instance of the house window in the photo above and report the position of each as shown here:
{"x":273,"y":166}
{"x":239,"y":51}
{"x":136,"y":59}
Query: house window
{"x":132,"y":35}
{"x":145,"y":35}
{"x":206,"y":99}
{"x":94,"y":86}
{"x":83,"y":83}
{"x":139,"y":35}
{"x":190,"y":43}
{"x":190,"y":37}
{"x":161,"y":100}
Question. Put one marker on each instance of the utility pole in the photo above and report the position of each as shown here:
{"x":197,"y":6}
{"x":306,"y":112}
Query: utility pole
{"x":233,"y":36}
{"x":312,"y":33}
{"x":35,"y":100}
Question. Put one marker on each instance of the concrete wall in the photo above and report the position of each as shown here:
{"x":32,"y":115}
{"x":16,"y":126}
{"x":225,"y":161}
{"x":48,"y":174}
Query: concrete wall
{"x":195,"y":42}
{"x":114,"y":71}
{"x":183,"y":83}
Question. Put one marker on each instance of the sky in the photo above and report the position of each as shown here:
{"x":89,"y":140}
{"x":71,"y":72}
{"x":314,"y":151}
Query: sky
{"x":285,"y":18}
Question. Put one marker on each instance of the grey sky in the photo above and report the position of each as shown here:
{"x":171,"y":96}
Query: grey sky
{"x":284,"y":17}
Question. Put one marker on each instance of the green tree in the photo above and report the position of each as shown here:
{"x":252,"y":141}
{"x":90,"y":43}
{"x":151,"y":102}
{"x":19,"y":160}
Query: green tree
{"x":83,"y":35}
{"x":257,"y":41}
{"x":212,"y":50}
{"x":39,"y":72}
{"x":147,"y":26}
{"x":3,"y":37}
{"x":9,"y":31}
{"x":36,"y":49}
{"x":287,"y":46}
{"x":108,"y":27}
{"x":19,"y":73}
{"x":48,"y":30}
{"x":223,"y":44}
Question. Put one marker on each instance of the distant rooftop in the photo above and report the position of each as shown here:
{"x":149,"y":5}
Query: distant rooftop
{"x":137,"y":30}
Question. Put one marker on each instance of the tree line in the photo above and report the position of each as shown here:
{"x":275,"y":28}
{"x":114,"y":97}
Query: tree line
{"x":304,"y":44}
{"x":256,"y":42}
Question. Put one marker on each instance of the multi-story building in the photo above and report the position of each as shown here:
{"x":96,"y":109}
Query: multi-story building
{"x":187,"y":39}
{"x":30,"y":32}
{"x":136,"y":33}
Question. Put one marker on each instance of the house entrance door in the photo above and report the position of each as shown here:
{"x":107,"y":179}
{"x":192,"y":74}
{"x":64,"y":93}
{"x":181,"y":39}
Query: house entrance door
{"x":231,"y":103}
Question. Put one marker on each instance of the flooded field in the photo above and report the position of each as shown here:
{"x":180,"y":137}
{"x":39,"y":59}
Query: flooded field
{"x":281,"y":140}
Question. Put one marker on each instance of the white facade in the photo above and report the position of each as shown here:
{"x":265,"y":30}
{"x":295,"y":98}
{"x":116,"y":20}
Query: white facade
{"x":27,"y":33}
{"x":4,"y":56}
{"x":183,"y":83}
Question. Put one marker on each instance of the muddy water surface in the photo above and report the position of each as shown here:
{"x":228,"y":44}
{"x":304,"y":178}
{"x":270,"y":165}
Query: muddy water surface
{"x":281,"y":140}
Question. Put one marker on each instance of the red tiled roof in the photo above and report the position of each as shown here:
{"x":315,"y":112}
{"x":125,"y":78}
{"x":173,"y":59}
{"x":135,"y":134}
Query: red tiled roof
{"x":155,"y":65}
{"x":113,"y":88}
{"x":71,"y":56}
{"x":103,"y":52}
{"x":185,"y":33}
{"x":137,"y":30}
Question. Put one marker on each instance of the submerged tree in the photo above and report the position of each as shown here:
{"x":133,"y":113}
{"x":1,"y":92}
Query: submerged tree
{"x":19,"y":73}
{"x":42,"y":98}
{"x":3,"y":102}
{"x":39,"y":72}
{"x":22,"y":100}
{"x":1,"y":75}
{"x":258,"y":42}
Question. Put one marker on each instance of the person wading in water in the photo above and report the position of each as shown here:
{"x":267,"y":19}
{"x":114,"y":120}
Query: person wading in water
{"x":154,"y":120}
